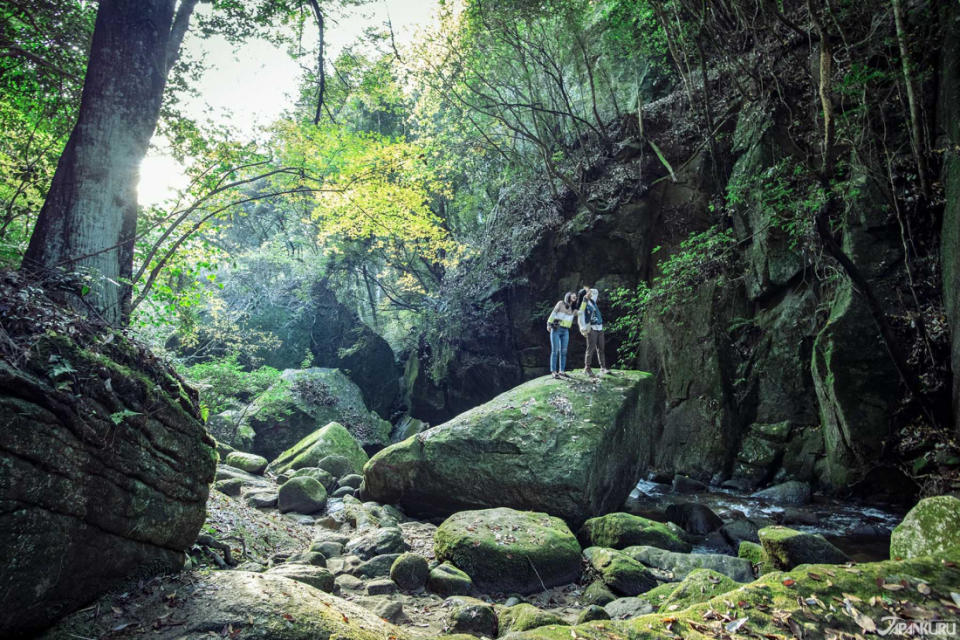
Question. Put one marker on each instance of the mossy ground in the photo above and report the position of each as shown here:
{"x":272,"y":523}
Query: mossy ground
{"x":811,"y":600}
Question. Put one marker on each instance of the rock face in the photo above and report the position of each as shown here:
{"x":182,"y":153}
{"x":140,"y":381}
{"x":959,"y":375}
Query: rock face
{"x":332,"y":439}
{"x":567,"y":449}
{"x":102,"y":451}
{"x":949,"y":113}
{"x":503,"y":550}
{"x":338,"y":339}
{"x":931,"y":528}
{"x":300,"y":403}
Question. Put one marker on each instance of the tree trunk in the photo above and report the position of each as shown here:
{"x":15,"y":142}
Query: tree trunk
{"x":89,"y":218}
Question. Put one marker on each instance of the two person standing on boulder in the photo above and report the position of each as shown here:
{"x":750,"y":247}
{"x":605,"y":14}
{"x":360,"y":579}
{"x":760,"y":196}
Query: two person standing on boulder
{"x":583,"y":307}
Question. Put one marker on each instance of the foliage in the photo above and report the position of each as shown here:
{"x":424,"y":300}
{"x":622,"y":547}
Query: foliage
{"x":43,"y":47}
{"x":785,"y":196}
{"x":703,"y":256}
{"x":223,"y":382}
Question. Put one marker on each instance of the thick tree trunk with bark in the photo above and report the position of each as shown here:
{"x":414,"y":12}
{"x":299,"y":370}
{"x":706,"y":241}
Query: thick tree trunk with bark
{"x":88,"y":220}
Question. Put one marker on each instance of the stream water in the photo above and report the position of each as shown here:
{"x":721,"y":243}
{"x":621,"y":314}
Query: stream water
{"x":860,"y":530}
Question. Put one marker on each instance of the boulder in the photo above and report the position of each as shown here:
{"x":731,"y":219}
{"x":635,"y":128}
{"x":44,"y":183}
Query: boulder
{"x":682,"y":564}
{"x":299,"y":403}
{"x":695,"y":518}
{"x":699,"y":585}
{"x":447,"y":580}
{"x":619,"y":530}
{"x":598,"y":593}
{"x":313,"y":558}
{"x":317,"y":577}
{"x":318,"y":474}
{"x":331,"y":439}
{"x":229,"y":487}
{"x":788,"y":548}
{"x":337,"y":465}
{"x":249,"y":462}
{"x":619,"y":571}
{"x":505,"y":550}
{"x":792,"y":492}
{"x":469,"y":615}
{"x":261,"y":499}
{"x":249,"y":606}
{"x":350,"y":480}
{"x":301,"y":495}
{"x":103,"y":454}
{"x":626,"y":608}
{"x":754,"y":552}
{"x":381,"y":587}
{"x":739,"y":530}
{"x":410,"y":571}
{"x":329,"y":548}
{"x":377,"y":542}
{"x":593,"y":612}
{"x":522,"y":617}
{"x":931,"y":528}
{"x":567,"y":449}
{"x":684,"y":484}
{"x":377,"y":566}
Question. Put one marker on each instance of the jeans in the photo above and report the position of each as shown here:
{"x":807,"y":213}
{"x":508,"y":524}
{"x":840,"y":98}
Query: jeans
{"x":559,"y":339}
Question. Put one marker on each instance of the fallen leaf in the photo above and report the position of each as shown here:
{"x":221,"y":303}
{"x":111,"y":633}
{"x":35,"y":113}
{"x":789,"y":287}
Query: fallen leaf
{"x":734,"y":626}
{"x":789,"y":582}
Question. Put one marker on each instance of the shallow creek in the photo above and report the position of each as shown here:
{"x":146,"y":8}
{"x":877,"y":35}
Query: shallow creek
{"x":861,"y":530}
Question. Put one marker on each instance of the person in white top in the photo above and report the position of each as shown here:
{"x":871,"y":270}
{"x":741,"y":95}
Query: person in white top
{"x":558,"y":325}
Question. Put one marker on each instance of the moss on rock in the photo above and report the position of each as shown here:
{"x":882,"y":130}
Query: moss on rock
{"x":619,"y":571}
{"x":620,"y":530}
{"x":507,"y":550}
{"x":786,"y":548}
{"x":523,"y":617}
{"x":331,"y":439}
{"x":931,"y":528}
{"x":818,"y":599}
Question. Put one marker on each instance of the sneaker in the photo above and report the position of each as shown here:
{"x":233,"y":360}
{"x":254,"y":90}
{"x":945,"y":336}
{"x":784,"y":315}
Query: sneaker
{"x":605,"y":372}
{"x":564,"y":374}
{"x":556,"y":376}
{"x":589,"y":373}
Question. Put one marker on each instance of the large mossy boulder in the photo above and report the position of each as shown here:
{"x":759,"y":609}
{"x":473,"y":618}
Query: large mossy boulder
{"x":787,"y":548}
{"x":931,"y":528}
{"x":331,"y":439}
{"x":620,"y":530}
{"x":302,"y":401}
{"x":105,"y":468}
{"x":244,"y":606}
{"x":504,"y":550}
{"x":565,"y":448}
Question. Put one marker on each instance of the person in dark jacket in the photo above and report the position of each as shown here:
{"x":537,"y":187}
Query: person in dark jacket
{"x":591,"y":327}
